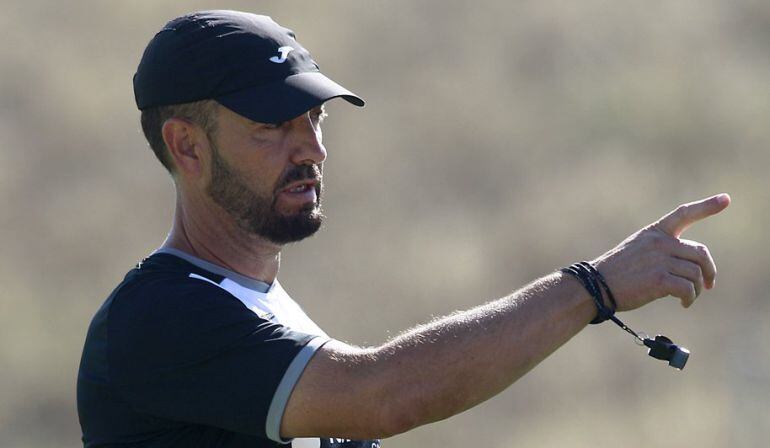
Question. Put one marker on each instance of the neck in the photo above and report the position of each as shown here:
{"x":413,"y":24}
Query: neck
{"x":215,"y":237}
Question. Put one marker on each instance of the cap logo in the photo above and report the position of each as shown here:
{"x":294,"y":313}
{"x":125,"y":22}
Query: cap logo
{"x":284,"y":53}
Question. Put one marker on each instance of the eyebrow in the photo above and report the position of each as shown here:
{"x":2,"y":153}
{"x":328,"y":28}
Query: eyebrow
{"x":322,"y":115}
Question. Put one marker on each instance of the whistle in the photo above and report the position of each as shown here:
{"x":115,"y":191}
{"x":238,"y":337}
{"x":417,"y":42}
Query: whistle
{"x":664,"y":349}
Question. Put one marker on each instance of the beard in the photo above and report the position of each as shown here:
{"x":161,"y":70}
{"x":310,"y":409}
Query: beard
{"x":256,"y":213}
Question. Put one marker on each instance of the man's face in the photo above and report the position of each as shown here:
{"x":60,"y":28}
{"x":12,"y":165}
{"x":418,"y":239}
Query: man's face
{"x":271,"y":185}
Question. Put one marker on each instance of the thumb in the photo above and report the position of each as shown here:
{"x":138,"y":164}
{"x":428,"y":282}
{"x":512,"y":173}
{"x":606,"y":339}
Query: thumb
{"x":685,"y":215}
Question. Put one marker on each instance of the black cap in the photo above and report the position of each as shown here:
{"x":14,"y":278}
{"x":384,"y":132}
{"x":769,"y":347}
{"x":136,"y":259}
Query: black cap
{"x":246,"y":62}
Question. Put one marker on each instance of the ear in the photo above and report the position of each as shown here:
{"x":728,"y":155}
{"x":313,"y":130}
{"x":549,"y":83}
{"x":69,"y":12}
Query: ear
{"x":185,"y":142}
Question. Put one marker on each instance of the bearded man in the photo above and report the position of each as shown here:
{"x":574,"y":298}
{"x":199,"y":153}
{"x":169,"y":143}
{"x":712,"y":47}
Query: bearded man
{"x":201,"y":346}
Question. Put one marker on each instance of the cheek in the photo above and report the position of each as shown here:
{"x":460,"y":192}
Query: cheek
{"x":262,"y":173}
{"x":266,"y":182}
{"x":260,"y":161}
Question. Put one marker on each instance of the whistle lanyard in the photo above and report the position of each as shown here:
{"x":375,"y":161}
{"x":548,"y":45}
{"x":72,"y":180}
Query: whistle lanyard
{"x":660,"y":348}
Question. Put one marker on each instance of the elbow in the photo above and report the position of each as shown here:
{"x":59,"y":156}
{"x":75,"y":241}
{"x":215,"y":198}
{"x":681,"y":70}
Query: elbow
{"x":378,"y":422}
{"x":395,"y":421}
{"x":406,"y":404}
{"x":402,"y":411}
{"x":406,"y":409}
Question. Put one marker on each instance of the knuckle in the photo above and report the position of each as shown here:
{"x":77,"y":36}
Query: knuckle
{"x":697,"y":271}
{"x":703,"y":251}
{"x":659,"y":241}
{"x":694,"y":288}
{"x":703,"y":258}
{"x":692,"y":294}
{"x":680,"y":290}
{"x":678,"y":287}
{"x":687,"y":293}
{"x":645,"y":234}
{"x":660,"y":281}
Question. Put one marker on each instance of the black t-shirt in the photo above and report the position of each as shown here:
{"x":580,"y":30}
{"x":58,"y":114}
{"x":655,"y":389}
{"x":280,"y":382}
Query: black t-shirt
{"x":182,"y":356}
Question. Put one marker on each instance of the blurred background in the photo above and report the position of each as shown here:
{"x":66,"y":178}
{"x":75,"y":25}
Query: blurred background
{"x":501,"y":141}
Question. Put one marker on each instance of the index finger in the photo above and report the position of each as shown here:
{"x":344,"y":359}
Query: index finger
{"x":685,"y":215}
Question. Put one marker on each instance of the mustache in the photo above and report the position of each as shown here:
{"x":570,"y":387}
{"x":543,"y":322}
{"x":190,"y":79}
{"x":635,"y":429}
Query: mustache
{"x":301,"y":172}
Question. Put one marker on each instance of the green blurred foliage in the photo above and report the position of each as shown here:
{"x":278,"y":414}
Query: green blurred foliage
{"x":501,"y":140}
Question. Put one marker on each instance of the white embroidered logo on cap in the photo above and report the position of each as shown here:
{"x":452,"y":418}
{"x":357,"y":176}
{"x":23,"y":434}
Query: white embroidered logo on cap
{"x":284,"y":53}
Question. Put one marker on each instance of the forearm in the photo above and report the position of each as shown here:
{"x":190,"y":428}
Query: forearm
{"x":441,"y":368}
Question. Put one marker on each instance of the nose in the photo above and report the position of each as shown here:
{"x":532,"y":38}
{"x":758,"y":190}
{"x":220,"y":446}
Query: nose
{"x":307,"y":146}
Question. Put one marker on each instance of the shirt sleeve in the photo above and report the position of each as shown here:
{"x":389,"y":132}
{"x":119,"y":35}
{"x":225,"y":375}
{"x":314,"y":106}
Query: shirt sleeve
{"x":189,"y":351}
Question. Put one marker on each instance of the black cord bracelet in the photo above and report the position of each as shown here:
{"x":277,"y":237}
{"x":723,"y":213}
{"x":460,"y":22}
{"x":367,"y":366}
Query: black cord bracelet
{"x":598,"y":275}
{"x":587,"y":277}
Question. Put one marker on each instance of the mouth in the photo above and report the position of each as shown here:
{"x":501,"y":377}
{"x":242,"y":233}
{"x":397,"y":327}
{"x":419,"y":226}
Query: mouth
{"x":301,"y":192}
{"x":300,"y":187}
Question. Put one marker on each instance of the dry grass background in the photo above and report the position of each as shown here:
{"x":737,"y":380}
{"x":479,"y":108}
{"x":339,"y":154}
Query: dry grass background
{"x":501,"y":141}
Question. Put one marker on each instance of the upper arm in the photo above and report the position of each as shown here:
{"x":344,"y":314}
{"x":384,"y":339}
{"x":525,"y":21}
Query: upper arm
{"x":341,"y":393}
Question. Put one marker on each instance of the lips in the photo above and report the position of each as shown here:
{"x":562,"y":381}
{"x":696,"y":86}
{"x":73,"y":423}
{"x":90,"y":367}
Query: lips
{"x":301,"y":193}
{"x":300,"y":186}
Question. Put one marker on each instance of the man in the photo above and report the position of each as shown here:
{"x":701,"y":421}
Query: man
{"x":200,"y":345}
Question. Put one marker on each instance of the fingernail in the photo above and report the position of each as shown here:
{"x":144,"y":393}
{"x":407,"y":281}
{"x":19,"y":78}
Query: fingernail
{"x":723,"y":198}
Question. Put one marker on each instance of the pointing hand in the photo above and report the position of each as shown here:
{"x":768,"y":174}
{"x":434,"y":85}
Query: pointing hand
{"x":655,"y":262}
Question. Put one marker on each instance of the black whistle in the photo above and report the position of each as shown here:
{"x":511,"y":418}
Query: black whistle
{"x":664,"y":349}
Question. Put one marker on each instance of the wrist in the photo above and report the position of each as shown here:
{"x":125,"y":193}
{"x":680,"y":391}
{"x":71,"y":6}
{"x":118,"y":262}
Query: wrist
{"x":583,"y":301}
{"x":594,"y":283}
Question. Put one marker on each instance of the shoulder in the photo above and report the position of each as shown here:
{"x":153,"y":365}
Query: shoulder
{"x":168,"y":299}
{"x":166,"y":284}
{"x":170,"y":311}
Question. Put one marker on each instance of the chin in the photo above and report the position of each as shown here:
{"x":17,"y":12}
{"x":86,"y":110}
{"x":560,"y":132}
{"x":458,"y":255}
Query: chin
{"x":291,"y":229}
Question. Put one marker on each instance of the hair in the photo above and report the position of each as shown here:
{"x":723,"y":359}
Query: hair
{"x":202,"y":113}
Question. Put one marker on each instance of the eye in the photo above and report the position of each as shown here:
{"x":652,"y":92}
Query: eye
{"x":318,"y":115}
{"x":273,"y":125}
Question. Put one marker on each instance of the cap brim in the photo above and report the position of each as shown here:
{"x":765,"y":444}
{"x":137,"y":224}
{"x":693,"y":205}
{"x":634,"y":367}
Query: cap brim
{"x":281,"y":101}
